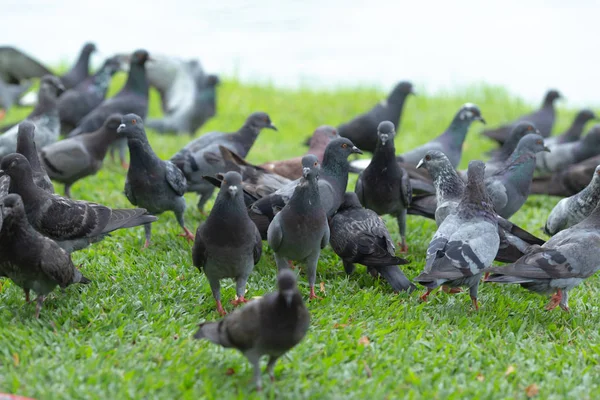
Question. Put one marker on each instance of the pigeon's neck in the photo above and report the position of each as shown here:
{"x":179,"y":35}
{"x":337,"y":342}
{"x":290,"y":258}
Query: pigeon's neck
{"x":548,"y":104}
{"x":395,"y":105}
{"x":29,"y":150}
{"x":47,"y":103}
{"x":448,"y":185}
{"x":457,"y":132}
{"x":137,"y":81}
{"x":591,"y":193}
{"x":520,"y":171}
{"x":507,"y":149}
{"x":247,"y":136}
{"x":97,"y":142}
{"x":83,"y":63}
{"x":335,"y":170}
{"x":102,"y":79}
{"x":25,"y":187}
{"x":306,"y":198}
{"x":585,"y":149}
{"x":575,"y":131}
{"x":142,"y":156}
{"x":384,"y":153}
{"x":227,"y":210}
{"x":476,"y":201}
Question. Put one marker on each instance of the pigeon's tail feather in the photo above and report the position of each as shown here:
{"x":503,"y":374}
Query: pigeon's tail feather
{"x":420,"y":187}
{"x":262,"y":222}
{"x":396,"y":278}
{"x":422,"y":206}
{"x":526,"y":236}
{"x":128,"y":218}
{"x":510,"y":254}
{"x":378,"y":261}
{"x":498,"y":278}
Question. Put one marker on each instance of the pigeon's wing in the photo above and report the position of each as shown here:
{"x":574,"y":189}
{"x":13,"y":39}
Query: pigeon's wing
{"x":243,"y":326}
{"x":497,"y":193}
{"x":16,"y":66}
{"x":129,"y":193}
{"x":175,"y":178}
{"x":275,"y":234}
{"x":546,"y":264}
{"x":257,"y":251}
{"x":65,"y":158}
{"x":199,"y":253}
{"x":66,"y":219}
{"x":405,"y":189}
{"x":4,"y":185}
{"x":57,"y":265}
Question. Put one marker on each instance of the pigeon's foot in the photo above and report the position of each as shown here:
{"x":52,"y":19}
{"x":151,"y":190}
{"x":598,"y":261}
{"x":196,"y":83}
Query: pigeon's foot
{"x":38,"y":306}
{"x":565,"y":308}
{"x":125,"y":164}
{"x":238,"y":301}
{"x":146,"y":244}
{"x":2,"y":114}
{"x":402,"y":247}
{"x":425,"y":295}
{"x":554,"y":300}
{"x":312,"y":294}
{"x":454,"y":290}
{"x":220,"y":309}
{"x":291,"y":265}
{"x":475,"y":303}
{"x":187,"y":234}
{"x":486,"y":276}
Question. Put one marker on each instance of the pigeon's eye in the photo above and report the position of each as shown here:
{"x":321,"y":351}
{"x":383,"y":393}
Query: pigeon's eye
{"x":133,"y":121}
{"x":427,"y":157}
{"x":529,"y":128}
{"x":224,"y":182}
{"x":344,"y":145}
{"x":315,"y":164}
{"x":540,"y":142}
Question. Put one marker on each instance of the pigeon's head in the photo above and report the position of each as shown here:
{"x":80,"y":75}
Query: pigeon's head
{"x":260,"y":120}
{"x":16,"y":166}
{"x":50,"y":84}
{"x":592,"y":138}
{"x":401,"y":90}
{"x":112,"y":65}
{"x":551,"y":96}
{"x":310,"y":166}
{"x":469,"y":112}
{"x":232,"y":184}
{"x":350,"y":201}
{"x":585,"y":115}
{"x":323,"y":135}
{"x":131,"y":126}
{"x":139,"y":57}
{"x":531,"y":143}
{"x":11,"y":205}
{"x":434,"y":160}
{"x":521,"y":129}
{"x":386,"y":132}
{"x":286,"y":282}
{"x":211,"y":81}
{"x":340,"y":149}
{"x":26,"y":131}
{"x":113,"y":122}
{"x":89,"y":48}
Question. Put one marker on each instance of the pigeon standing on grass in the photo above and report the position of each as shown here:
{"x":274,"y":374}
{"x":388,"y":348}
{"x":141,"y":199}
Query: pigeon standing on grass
{"x":300,"y":230}
{"x":26,"y":146}
{"x":228,"y":244}
{"x":384,"y":187}
{"x":271,"y":325}
{"x":566,"y":154}
{"x":465,"y":243}
{"x":574,"y":132}
{"x":81,"y":70}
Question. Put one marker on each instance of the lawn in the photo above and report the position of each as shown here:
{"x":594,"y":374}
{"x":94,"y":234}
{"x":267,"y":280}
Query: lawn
{"x":128,"y":335}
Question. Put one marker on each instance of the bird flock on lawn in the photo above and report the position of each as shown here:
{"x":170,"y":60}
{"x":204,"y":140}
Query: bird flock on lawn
{"x":298,"y":206}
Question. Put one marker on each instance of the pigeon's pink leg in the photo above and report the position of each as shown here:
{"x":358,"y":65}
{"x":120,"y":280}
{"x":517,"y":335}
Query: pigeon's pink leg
{"x":291,"y":264}
{"x":312,"y":294}
{"x":220,"y":309}
{"x":403,"y":247}
{"x":239,"y":300}
{"x":486,"y":276}
{"x":425,"y":295}
{"x":453,"y":290}
{"x":188,"y":235}
{"x":554,"y":300}
{"x":124,"y":164}
{"x":475,"y":303}
{"x":2,"y":114}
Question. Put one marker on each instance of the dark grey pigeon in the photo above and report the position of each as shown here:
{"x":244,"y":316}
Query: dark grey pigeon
{"x":81,"y":70}
{"x":152,"y":183}
{"x":573,"y":134}
{"x":16,"y":66}
{"x":300,"y":230}
{"x":31,"y":260}
{"x":133,"y":98}
{"x":228,"y":244}
{"x":451,"y":141}
{"x":271,"y":325}
{"x":567,"y":182}
{"x":466,"y":241}
{"x":10,"y":94}
{"x":202,"y":157}
{"x":500,"y":156}
{"x":358,"y":235}
{"x":362,"y":130}
{"x":574,"y":209}
{"x":567,"y":154}
{"x":563,"y":262}
{"x":77,"y":102}
{"x":384,"y":187}
{"x":72,"y":159}
{"x":74,"y":225}
{"x":543,"y":119}
{"x":509,"y":187}
{"x":44,"y":116}
{"x":26,"y":146}
{"x":333,"y":180}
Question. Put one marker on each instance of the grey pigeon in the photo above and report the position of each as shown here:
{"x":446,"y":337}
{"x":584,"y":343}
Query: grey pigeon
{"x":568,"y":181}
{"x":26,"y":146}
{"x":31,"y":260}
{"x":451,"y":141}
{"x":574,"y":132}
{"x":563,"y":262}
{"x":300,"y":230}
{"x":44,"y":116}
{"x":202,"y":157}
{"x":358,"y":235}
{"x":271,"y":325}
{"x":333,"y":180}
{"x":500,"y":156}
{"x":509,"y":187}
{"x":74,"y":225}
{"x":81,"y":69}
{"x":77,"y":102}
{"x":16,"y":66}
{"x":72,"y":159}
{"x":228,"y":244}
{"x":152,"y":183}
{"x":543,"y":119}
{"x":566,"y":154}
{"x":574,"y":209}
{"x":384,"y":187}
{"x":10,"y":94}
{"x":362,"y":130}
{"x":466,"y":241}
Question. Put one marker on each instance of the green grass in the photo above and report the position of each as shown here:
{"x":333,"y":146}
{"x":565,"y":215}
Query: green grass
{"x":129,"y":333}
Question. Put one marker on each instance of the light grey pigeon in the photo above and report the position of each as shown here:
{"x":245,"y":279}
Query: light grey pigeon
{"x":271,"y":325}
{"x":26,"y":146}
{"x":44,"y":116}
{"x":572,"y":210}
{"x":509,"y":187}
{"x":499,"y":156}
{"x":300,"y":230}
{"x":384,"y":186}
{"x":466,"y":241}
{"x":566,"y":154}
{"x":563,"y":262}
{"x":228,"y":244}
{"x":573,"y":134}
{"x":31,"y":260}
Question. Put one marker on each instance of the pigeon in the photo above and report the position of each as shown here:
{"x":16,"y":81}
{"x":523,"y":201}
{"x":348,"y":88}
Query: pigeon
{"x":76,"y":103}
{"x":568,"y":181}
{"x":466,"y":241}
{"x":133,"y":98}
{"x":10,"y":94}
{"x":152,"y":183}
{"x":74,"y":158}
{"x":228,"y":244}
{"x":362,"y":130}
{"x":4,"y":191}
{"x":451,"y":141}
{"x":543,"y":119}
{"x":81,"y":70}
{"x":358,"y":235}
{"x":300,"y":230}
{"x":509,"y":187}
{"x":74,"y":225}
{"x":563,"y":262}
{"x":31,"y":260}
{"x":333,"y":180}
{"x":573,"y":134}
{"x":26,"y":146}
{"x":500,"y":156}
{"x":574,"y":209}
{"x":17,"y":67}
{"x":271,"y":325}
{"x":567,"y":154}
{"x":44,"y":116}
{"x":202,"y":157}
{"x":384,"y":187}
{"x":292,"y":168}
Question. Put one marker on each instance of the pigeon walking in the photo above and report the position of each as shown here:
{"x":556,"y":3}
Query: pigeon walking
{"x":152,"y":183}
{"x":300,"y":230}
{"x":271,"y":325}
{"x":563,"y":155}
{"x":573,"y":134}
{"x":26,"y":146}
{"x":81,"y":70}
{"x":384,"y":187}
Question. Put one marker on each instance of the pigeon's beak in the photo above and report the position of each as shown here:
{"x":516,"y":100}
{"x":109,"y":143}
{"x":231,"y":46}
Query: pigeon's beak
{"x":233,"y":190}
{"x":121,"y":128}
{"x":288,"y":296}
{"x":305,"y":172}
{"x":384,"y":138}
{"x":60,"y":87}
{"x":356,"y":150}
{"x":480,"y":118}
{"x":420,"y":164}
{"x":546,"y":148}
{"x":271,"y":126}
